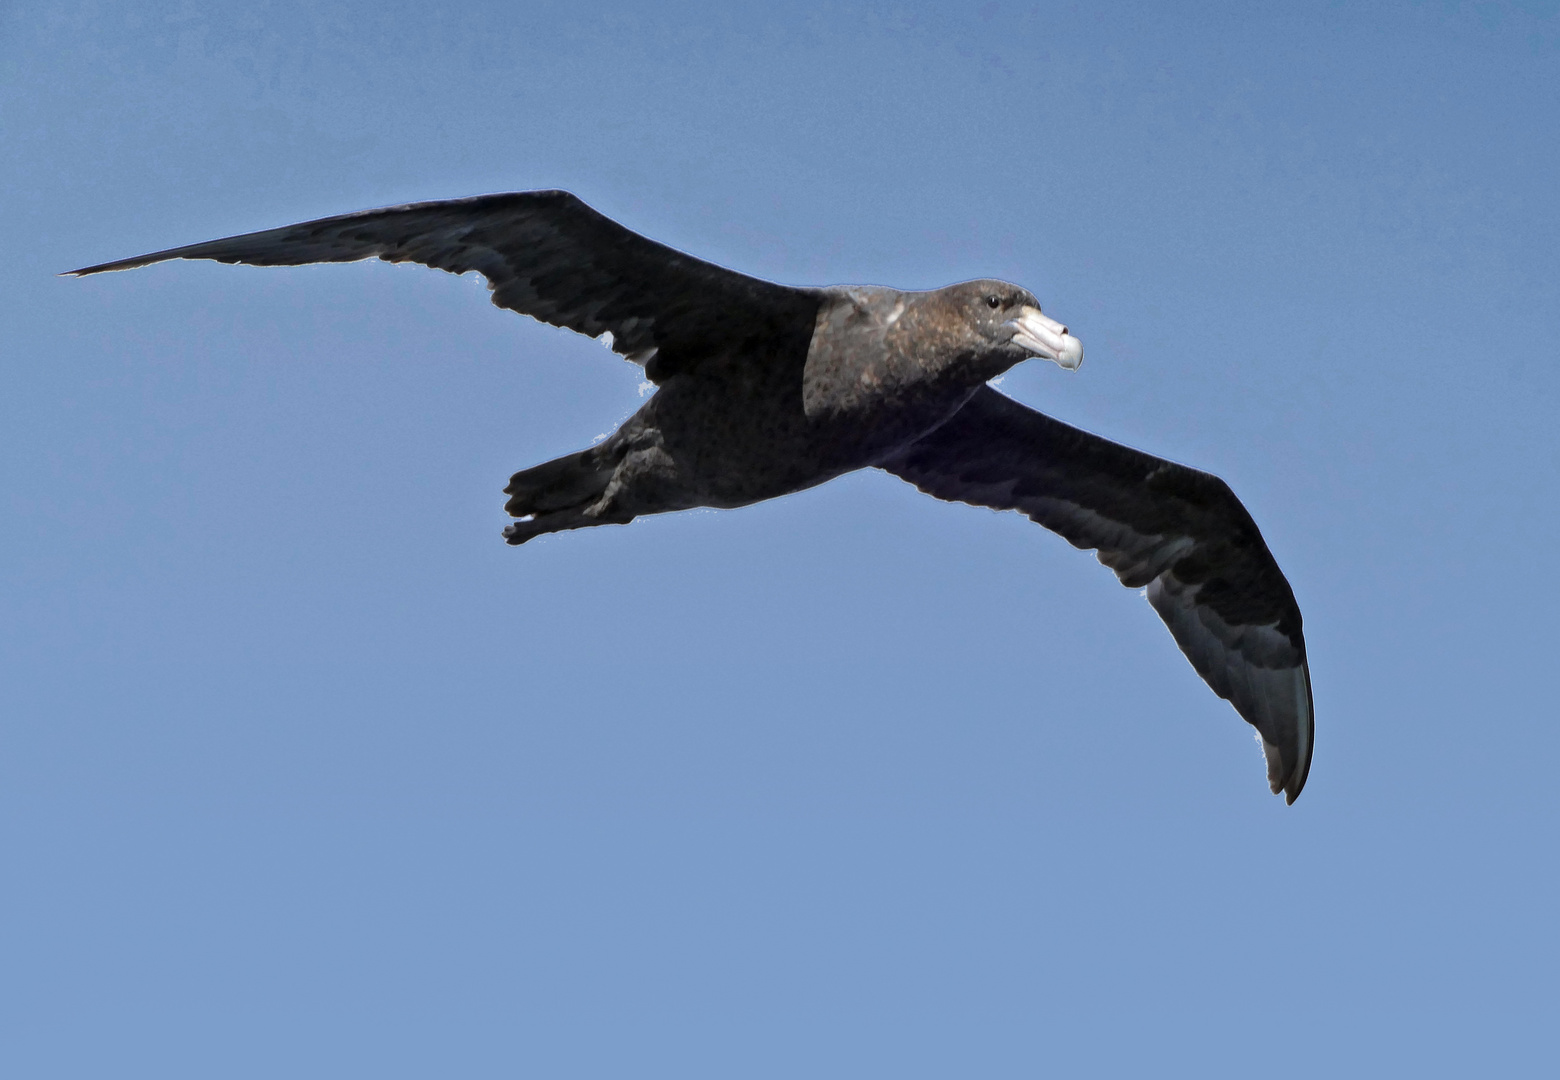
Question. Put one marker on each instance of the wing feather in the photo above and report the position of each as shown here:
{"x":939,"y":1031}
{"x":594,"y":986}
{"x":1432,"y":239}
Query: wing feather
{"x":1178,"y":533}
{"x":547,"y":255}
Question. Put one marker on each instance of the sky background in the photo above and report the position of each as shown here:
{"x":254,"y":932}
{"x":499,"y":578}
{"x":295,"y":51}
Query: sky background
{"x":304,"y":773}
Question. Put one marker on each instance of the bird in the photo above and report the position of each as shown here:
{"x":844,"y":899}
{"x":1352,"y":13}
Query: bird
{"x":765,"y":389}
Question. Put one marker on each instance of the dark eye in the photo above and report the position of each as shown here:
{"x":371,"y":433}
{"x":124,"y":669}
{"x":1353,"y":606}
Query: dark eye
{"x":993,"y":303}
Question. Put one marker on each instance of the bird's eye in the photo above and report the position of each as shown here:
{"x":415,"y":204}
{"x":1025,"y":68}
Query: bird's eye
{"x":993,"y":303}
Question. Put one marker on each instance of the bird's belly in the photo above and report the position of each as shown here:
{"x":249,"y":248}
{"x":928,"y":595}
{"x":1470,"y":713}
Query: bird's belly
{"x":724,"y":449}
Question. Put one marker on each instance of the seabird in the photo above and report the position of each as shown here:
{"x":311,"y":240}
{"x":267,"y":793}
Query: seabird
{"x":767,"y":389}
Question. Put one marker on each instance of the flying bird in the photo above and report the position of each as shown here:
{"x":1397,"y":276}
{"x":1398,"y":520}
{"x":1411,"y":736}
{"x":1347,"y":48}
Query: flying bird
{"x":766,"y":389}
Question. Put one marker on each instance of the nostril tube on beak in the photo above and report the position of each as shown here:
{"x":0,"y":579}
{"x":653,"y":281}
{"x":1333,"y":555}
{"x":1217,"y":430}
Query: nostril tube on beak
{"x":1050,"y":324}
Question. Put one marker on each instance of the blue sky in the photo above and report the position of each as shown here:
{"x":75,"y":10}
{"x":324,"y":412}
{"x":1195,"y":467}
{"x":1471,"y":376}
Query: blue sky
{"x":303,"y":771}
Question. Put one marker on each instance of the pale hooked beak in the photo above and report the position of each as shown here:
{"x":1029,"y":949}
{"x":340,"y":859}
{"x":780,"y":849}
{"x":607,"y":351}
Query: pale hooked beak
{"x":1045,"y":338}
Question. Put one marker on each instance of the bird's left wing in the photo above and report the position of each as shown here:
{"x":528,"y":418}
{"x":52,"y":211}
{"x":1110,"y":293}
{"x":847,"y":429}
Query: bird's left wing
{"x":548,"y":255}
{"x":1178,"y":533}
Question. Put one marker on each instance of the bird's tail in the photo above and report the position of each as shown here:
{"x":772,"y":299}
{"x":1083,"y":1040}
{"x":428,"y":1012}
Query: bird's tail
{"x":565,"y":493}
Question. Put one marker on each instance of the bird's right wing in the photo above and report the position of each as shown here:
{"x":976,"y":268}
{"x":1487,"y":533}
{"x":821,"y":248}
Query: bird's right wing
{"x":548,"y":255}
{"x":1179,"y":534}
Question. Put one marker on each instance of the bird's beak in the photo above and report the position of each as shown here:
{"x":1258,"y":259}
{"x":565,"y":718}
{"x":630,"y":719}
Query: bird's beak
{"x":1045,"y":338}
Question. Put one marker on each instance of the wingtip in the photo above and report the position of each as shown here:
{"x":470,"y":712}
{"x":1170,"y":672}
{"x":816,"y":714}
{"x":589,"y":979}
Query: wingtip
{"x":85,"y":270}
{"x":1289,"y":761}
{"x":1287,"y":782}
{"x":1296,"y":782}
{"x":121,"y":264}
{"x":1307,"y":738}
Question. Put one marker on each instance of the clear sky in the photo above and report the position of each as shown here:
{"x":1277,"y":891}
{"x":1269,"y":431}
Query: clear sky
{"x":304,"y":773}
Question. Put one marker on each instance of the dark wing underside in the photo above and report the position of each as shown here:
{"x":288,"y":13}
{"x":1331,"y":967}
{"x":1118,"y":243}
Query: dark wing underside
{"x":1178,"y":533}
{"x":548,"y":255}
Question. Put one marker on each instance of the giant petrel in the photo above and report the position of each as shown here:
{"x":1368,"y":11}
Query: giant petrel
{"x":767,"y":389}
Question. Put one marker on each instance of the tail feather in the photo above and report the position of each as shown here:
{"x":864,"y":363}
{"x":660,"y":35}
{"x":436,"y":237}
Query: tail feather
{"x":568,"y":493}
{"x":565,"y":483}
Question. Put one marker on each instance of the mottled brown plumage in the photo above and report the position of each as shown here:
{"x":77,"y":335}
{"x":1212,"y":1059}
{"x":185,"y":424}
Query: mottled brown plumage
{"x":768,"y":389}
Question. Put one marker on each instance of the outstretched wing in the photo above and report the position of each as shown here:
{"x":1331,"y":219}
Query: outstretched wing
{"x":1178,"y":532}
{"x":548,"y":255}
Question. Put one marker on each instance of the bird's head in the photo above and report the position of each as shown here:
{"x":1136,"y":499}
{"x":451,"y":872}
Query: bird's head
{"x":1009,"y":317}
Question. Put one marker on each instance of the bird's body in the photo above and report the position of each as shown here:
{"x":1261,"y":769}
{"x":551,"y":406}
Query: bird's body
{"x":781,"y":412}
{"x":767,"y":389}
